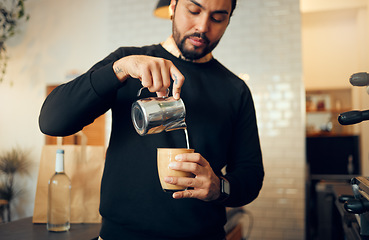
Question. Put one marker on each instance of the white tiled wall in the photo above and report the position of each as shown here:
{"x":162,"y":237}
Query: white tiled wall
{"x":263,"y":40}
{"x":272,"y":58}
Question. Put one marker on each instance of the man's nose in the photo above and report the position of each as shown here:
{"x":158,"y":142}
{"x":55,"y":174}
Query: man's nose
{"x":203,"y":24}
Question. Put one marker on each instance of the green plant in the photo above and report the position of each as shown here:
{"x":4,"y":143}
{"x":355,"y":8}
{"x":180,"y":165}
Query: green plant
{"x":13,"y":162}
{"x":11,"y":12}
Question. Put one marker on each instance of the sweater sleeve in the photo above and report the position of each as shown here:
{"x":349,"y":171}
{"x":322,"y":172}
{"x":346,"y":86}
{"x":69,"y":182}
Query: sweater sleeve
{"x":76,"y":104}
{"x":245,"y":171}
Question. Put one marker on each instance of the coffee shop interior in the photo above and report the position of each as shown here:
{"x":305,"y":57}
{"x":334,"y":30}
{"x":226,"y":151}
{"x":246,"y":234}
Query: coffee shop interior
{"x":297,"y":57}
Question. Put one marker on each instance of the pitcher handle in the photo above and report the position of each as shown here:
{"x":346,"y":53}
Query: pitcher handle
{"x":140,"y":90}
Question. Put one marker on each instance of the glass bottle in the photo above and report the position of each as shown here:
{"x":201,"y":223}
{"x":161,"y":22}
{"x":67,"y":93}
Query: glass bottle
{"x":58,"y":211}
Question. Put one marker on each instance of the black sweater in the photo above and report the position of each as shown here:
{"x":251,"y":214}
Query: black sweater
{"x":222,"y":127}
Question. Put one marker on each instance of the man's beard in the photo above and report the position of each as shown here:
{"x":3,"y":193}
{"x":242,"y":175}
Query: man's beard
{"x":192,"y":54}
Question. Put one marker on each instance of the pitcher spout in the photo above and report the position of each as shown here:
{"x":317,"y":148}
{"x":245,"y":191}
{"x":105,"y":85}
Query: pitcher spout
{"x":176,"y":126}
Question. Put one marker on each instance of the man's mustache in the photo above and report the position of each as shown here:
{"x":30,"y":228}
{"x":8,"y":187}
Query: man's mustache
{"x":199,"y":35}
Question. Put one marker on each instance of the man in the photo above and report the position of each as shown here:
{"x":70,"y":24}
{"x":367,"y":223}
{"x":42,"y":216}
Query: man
{"x":220,"y":117}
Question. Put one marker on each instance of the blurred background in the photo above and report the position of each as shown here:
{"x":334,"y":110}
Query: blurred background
{"x":296,"y":56}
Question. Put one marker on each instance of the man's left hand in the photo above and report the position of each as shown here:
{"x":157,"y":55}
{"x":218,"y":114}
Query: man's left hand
{"x":204,"y":186}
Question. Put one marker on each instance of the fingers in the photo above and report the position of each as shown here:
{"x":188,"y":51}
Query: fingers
{"x":146,"y":79}
{"x":198,"y":188}
{"x":156,"y":74}
{"x":184,"y":181}
{"x":205,"y":184}
{"x":191,"y":167}
{"x":161,"y":75}
{"x":202,"y":194}
{"x":192,"y":157}
{"x":162,"y":82}
{"x":202,"y":188}
{"x":185,"y":194}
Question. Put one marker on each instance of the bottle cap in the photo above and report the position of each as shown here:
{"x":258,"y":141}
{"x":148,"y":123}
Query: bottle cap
{"x":60,"y":151}
{"x":59,"y":164}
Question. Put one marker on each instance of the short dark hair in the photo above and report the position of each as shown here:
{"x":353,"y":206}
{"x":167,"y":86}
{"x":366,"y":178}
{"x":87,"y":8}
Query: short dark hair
{"x":234,"y":3}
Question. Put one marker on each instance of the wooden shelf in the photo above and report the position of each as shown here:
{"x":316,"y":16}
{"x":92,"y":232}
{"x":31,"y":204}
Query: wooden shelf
{"x":329,"y":111}
{"x":328,"y":134}
{"x":322,"y":110}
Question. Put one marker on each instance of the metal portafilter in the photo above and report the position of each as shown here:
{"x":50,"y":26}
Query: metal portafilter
{"x":353,"y":117}
{"x":359,"y":79}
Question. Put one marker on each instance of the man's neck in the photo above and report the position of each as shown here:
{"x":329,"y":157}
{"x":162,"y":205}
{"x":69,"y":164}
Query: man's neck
{"x":171,"y":47}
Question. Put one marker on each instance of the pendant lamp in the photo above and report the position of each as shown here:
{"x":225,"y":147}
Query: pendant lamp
{"x":162,"y":9}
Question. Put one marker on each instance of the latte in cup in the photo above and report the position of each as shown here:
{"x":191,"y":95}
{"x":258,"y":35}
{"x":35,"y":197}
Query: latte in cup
{"x":165,"y":156}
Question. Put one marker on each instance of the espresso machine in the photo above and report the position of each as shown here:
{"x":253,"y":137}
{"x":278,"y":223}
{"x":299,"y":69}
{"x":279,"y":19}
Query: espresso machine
{"x":358,"y":204}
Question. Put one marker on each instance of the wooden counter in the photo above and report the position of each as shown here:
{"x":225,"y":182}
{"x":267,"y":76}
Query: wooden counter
{"x":25,"y":229}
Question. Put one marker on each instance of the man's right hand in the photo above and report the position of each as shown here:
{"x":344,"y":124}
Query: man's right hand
{"x":154,"y":73}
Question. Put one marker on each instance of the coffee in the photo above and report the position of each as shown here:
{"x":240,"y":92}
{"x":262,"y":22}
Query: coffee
{"x":165,"y":156}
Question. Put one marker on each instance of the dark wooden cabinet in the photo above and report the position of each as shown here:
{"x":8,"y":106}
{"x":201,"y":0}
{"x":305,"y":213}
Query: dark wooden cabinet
{"x":333,"y":155}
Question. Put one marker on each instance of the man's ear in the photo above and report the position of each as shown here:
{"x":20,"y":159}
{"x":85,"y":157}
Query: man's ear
{"x":172,"y":7}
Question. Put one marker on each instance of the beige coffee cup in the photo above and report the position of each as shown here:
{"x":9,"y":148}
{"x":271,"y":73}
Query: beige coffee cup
{"x":165,"y":156}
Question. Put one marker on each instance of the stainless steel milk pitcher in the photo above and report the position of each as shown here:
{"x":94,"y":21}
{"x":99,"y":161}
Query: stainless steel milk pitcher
{"x":156,"y":114}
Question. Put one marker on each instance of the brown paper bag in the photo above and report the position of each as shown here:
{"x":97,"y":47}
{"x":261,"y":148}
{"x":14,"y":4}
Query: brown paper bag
{"x":84,"y":166}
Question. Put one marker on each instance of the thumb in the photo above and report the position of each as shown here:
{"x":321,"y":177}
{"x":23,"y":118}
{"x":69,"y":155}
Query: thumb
{"x":178,"y":79}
